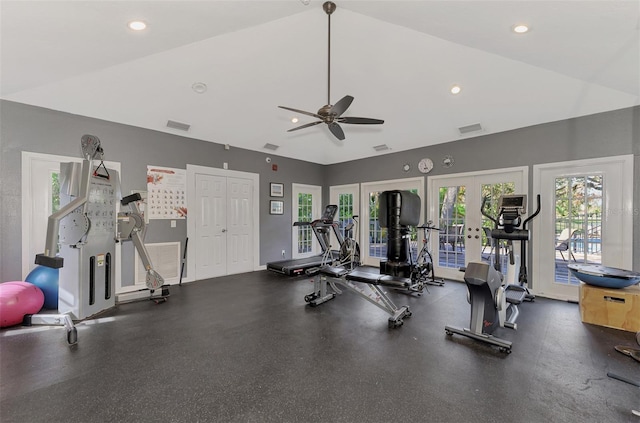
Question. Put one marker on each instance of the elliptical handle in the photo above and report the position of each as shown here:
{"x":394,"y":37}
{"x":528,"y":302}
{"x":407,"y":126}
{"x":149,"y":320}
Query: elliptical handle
{"x":528,"y":219}
{"x":484,"y":203}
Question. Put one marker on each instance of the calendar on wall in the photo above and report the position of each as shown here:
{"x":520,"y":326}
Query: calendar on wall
{"x":166,"y":193}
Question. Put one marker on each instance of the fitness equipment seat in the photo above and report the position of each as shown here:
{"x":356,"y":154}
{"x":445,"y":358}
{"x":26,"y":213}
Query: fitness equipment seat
{"x":364,"y":284}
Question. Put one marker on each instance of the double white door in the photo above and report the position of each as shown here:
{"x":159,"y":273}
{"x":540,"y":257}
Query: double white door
{"x":222,"y":212}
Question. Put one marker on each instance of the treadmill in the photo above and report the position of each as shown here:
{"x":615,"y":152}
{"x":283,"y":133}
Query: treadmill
{"x":322,"y":229}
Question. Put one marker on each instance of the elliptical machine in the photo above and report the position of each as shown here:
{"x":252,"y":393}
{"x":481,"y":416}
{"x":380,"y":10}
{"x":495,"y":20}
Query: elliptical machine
{"x":494,"y":301}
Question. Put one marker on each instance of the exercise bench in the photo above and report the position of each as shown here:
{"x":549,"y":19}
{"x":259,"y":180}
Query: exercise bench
{"x":364,"y":284}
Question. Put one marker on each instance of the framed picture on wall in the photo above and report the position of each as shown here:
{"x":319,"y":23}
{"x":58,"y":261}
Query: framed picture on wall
{"x":276,"y":207}
{"x":277,"y":190}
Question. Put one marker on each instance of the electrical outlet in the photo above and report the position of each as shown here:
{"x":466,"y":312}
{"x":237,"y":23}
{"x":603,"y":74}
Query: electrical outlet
{"x":282,"y":253}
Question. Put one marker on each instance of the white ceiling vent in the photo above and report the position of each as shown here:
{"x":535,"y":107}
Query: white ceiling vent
{"x":381,"y":147}
{"x":178,"y":125}
{"x":470,"y":128}
{"x":272,"y":147}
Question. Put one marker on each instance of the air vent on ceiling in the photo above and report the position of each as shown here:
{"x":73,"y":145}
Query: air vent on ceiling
{"x":178,"y":125}
{"x":269,"y":146}
{"x":470,"y":128}
{"x":381,"y":147}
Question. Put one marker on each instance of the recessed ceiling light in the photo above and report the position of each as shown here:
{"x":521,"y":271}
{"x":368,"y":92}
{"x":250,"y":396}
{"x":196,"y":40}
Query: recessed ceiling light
{"x":456,"y":89}
{"x":137,"y":25}
{"x":199,"y":87}
{"x":294,"y":120}
{"x":520,"y":28}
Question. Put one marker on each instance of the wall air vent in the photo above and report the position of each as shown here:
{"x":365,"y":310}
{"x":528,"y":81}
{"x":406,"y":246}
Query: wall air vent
{"x":381,"y":147}
{"x":470,"y":128}
{"x":272,"y":147}
{"x":178,"y":125}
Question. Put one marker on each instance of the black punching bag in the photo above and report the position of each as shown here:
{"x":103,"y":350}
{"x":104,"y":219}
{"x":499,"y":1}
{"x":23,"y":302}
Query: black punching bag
{"x":398,"y":209}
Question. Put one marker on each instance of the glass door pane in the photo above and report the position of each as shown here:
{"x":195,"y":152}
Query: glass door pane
{"x":578,"y":224}
{"x":493,"y":192}
{"x":377,"y":235}
{"x":345,"y":212}
{"x":305,"y":212}
{"x":452,"y":213}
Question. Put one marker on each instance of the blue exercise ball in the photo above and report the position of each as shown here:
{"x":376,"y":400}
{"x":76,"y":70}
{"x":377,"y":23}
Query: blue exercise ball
{"x":46,"y":278}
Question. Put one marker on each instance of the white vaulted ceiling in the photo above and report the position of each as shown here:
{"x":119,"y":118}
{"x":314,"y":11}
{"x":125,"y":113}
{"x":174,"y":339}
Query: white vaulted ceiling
{"x":397,"y":58}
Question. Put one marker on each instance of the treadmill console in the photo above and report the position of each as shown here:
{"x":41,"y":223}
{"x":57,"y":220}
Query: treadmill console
{"x":329,"y":213}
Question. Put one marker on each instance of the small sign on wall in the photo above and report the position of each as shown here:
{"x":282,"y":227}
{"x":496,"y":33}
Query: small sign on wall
{"x":167,"y":193}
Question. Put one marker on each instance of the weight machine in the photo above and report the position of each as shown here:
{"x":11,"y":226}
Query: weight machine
{"x":85,"y":230}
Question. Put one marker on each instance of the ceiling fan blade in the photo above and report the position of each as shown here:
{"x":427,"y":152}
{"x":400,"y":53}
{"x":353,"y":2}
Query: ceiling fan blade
{"x":342,"y":105}
{"x":306,"y":125}
{"x":360,"y":120}
{"x":301,"y":112}
{"x":336,"y":130}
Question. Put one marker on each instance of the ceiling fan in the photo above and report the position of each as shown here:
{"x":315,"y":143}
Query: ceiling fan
{"x":332,"y":114}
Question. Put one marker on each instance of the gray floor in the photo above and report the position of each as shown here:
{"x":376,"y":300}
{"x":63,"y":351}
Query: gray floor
{"x":245,"y":348}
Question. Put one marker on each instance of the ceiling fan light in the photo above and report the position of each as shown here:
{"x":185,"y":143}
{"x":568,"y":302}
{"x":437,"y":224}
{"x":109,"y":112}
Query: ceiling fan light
{"x":455,"y":89}
{"x":294,"y":120}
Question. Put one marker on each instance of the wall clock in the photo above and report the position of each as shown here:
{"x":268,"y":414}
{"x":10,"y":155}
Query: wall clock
{"x":425,"y":165}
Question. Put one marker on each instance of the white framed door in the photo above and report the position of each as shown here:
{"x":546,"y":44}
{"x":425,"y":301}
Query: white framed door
{"x":347,"y":198}
{"x":210,"y":215}
{"x":373,"y":238}
{"x":239,"y":225}
{"x":223,"y":223}
{"x":454,"y":206}
{"x":39,"y":179}
{"x":590,"y":201}
{"x":306,"y":203}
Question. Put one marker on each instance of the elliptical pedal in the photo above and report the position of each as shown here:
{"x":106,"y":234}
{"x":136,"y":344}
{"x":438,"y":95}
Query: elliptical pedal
{"x":515,"y":294}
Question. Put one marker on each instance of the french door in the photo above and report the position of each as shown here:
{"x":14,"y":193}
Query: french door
{"x":454,"y":206}
{"x":588,"y":220}
{"x":307,"y":207}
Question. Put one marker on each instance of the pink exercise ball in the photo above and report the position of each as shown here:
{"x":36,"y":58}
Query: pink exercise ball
{"x":18,"y":298}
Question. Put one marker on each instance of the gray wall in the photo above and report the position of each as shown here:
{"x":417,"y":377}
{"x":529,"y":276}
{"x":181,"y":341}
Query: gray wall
{"x":34,"y":129}
{"x":28,"y":128}
{"x":601,"y":135}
